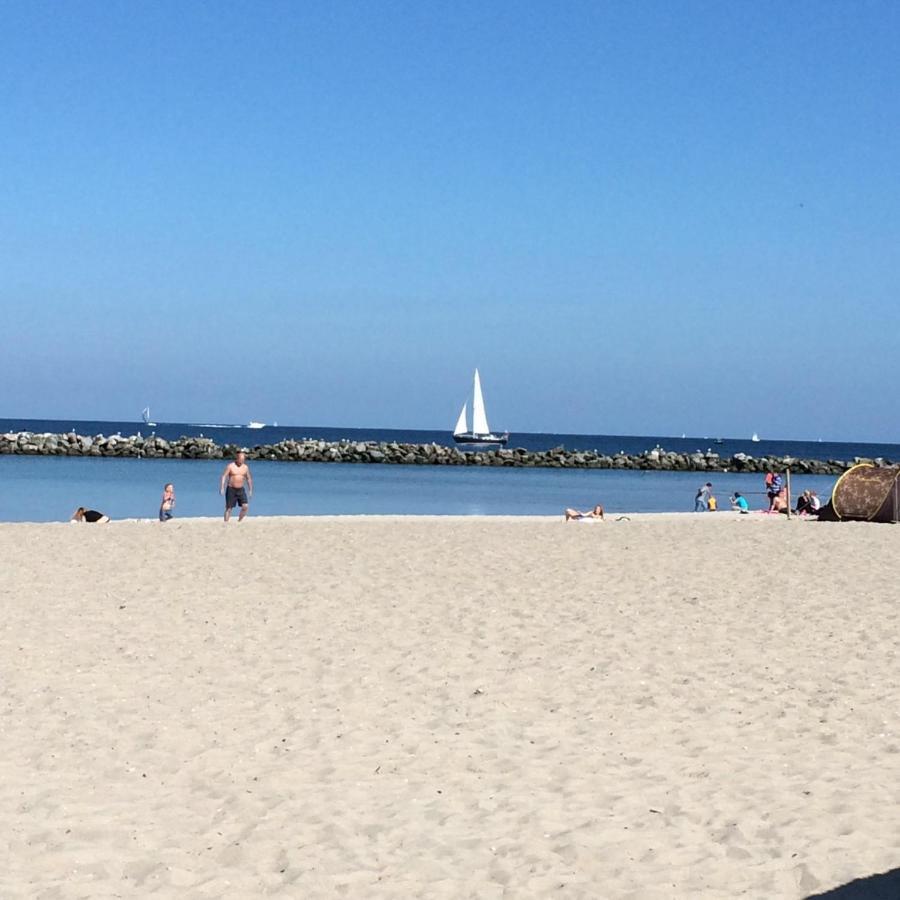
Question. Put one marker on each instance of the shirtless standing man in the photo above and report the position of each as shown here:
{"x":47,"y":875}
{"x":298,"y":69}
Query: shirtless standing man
{"x":232,"y":486}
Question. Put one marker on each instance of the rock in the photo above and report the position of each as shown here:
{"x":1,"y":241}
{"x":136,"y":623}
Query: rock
{"x":26,"y":443}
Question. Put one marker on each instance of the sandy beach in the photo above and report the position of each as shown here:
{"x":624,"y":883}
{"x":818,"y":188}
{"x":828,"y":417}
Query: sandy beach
{"x":664,"y":706}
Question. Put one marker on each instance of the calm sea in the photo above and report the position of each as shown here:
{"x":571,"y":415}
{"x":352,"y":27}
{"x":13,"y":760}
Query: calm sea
{"x":50,"y":488}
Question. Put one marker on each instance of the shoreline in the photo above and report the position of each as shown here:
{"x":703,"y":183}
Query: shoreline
{"x":612,"y":518}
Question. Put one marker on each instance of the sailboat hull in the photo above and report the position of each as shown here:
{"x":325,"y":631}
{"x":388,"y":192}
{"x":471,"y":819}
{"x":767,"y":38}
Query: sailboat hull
{"x":480,"y":439}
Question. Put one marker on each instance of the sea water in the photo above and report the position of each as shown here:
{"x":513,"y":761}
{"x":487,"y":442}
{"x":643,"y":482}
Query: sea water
{"x":50,"y":488}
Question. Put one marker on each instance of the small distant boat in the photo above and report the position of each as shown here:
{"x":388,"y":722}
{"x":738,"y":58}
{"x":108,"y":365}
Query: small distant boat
{"x":719,"y":441}
{"x":755,"y":438}
{"x":481,"y":433}
{"x":256,"y":424}
{"x":145,"y":415}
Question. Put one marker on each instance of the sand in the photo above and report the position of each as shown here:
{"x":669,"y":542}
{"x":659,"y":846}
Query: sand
{"x":660,"y":707}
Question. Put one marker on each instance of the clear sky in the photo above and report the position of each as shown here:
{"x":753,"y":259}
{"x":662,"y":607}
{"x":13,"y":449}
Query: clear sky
{"x":645,"y":218}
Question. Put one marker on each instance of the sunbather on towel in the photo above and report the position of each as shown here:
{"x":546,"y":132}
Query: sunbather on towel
{"x":595,"y":513}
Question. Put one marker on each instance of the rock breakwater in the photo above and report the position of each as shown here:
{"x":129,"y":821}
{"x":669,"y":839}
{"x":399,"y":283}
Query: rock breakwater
{"x":310,"y":450}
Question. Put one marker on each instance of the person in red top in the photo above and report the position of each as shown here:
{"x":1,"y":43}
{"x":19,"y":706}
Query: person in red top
{"x":774,"y":486}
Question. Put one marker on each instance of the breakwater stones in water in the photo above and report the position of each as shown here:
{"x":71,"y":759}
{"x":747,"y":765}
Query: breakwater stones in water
{"x":309,"y":450}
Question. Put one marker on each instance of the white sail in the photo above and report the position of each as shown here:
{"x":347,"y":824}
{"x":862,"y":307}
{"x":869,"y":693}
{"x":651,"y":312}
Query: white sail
{"x":145,"y":414}
{"x":479,"y":417}
{"x":461,"y":422}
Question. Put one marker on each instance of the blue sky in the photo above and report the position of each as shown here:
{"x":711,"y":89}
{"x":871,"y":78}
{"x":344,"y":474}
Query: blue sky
{"x":639,"y":218}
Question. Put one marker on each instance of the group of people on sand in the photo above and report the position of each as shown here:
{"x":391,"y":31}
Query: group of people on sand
{"x":776,"y":493}
{"x":236,"y":484}
{"x":705,"y":501}
{"x":808,"y":503}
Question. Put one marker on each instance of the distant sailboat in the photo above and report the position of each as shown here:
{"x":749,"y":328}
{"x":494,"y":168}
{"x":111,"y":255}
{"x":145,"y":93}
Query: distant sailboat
{"x":755,"y":438}
{"x":481,"y":432}
{"x":145,"y":415}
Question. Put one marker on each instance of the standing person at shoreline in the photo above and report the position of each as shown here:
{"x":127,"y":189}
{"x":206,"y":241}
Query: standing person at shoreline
{"x":774,"y":485}
{"x":168,"y":503}
{"x":237,"y":486}
{"x":701,"y":499}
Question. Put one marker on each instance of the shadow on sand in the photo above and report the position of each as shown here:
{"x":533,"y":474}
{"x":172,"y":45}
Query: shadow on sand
{"x":885,"y":886}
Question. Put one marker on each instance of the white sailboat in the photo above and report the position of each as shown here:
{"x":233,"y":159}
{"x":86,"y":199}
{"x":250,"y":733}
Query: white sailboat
{"x":145,"y":415}
{"x":481,"y":432}
{"x":755,"y":438}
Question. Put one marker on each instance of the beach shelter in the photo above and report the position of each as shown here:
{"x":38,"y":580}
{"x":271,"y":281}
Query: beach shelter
{"x":865,"y":493}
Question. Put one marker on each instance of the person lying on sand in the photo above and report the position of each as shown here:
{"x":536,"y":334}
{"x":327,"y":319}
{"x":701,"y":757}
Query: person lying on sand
{"x":595,"y":513}
{"x":89,"y":515}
